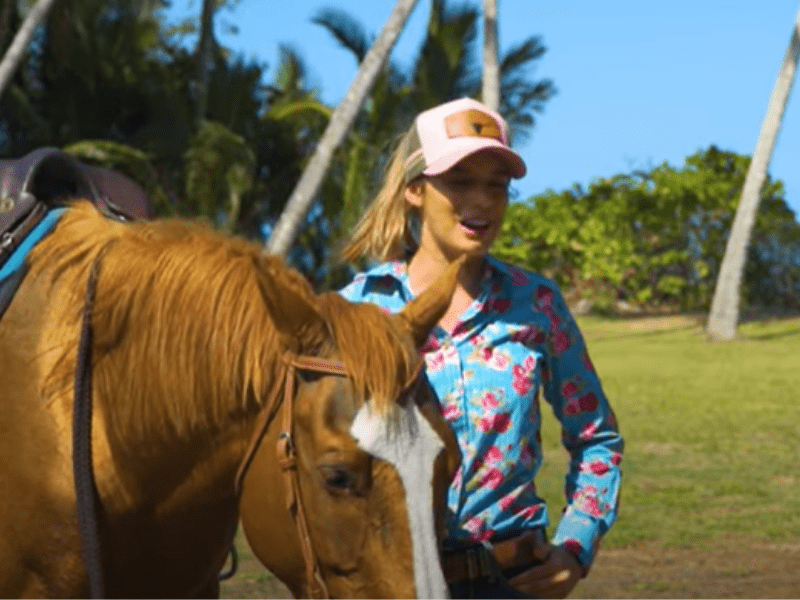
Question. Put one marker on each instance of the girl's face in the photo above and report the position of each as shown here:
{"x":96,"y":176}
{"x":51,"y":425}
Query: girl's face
{"x":461,"y":210}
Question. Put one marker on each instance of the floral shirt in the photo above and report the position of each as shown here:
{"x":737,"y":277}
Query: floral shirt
{"x":516,"y":337}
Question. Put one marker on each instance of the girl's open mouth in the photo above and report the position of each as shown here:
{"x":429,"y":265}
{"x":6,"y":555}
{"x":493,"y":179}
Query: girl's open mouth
{"x":475,"y":226}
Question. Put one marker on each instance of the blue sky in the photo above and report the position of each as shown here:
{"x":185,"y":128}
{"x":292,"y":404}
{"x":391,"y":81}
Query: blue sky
{"x":639,"y":82}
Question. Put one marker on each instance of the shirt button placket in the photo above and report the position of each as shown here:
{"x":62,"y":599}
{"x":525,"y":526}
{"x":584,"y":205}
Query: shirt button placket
{"x":456,"y":373}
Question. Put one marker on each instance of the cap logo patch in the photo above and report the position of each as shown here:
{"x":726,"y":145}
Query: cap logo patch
{"x":472,"y":123}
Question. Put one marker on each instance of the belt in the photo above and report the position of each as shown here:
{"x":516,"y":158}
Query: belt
{"x":481,"y":561}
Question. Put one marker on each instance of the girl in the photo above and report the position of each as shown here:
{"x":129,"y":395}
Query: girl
{"x":507,"y":334}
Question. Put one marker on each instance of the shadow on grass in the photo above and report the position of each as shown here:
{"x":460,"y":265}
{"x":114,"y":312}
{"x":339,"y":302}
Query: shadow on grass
{"x":621,"y":327}
{"x":777,"y":324}
{"x":602,"y":336}
{"x":772,"y":335}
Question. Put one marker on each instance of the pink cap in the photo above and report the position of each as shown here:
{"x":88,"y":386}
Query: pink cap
{"x":448,"y":133}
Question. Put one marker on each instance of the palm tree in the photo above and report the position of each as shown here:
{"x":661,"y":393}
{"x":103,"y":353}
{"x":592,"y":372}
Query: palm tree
{"x":16,"y":51}
{"x":491,"y":70}
{"x":367,"y":142}
{"x":205,"y":48}
{"x":724,"y":314}
{"x":446,"y":65}
{"x":341,"y":120}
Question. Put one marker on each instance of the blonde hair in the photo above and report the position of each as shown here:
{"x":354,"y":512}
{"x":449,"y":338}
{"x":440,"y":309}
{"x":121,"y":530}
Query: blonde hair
{"x":384,"y":232}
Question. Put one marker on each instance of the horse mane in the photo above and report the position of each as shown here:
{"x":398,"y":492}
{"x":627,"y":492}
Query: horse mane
{"x":378,"y":357}
{"x":178,"y":291}
{"x":175,"y":291}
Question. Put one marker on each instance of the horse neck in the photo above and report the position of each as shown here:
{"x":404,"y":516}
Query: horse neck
{"x":179,"y":378}
{"x":180,"y":459}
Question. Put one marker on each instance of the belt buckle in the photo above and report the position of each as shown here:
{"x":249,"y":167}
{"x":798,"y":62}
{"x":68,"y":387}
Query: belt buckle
{"x":479,"y":564}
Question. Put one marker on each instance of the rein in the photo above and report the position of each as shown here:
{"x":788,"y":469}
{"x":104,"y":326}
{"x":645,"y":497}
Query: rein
{"x":86,"y":496}
{"x":287,"y":455}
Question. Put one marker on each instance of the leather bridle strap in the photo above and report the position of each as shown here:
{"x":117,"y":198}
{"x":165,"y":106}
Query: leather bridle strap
{"x":263,"y":420}
{"x":287,"y":454}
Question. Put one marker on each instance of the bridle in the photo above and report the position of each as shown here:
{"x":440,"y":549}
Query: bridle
{"x":87,"y":497}
{"x":287,"y":454}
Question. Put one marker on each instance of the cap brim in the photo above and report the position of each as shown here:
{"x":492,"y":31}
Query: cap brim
{"x":467,"y":146}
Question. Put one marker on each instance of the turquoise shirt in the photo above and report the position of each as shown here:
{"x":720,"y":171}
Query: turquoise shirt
{"x":515,"y":339}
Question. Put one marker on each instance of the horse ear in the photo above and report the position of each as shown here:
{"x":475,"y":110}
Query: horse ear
{"x":290,"y":303}
{"x":422,"y":314}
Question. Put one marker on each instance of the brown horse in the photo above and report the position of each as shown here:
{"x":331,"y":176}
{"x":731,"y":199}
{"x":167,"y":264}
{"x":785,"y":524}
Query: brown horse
{"x":191,"y":333}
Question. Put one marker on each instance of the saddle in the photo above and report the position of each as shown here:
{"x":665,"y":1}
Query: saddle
{"x":46,"y":178}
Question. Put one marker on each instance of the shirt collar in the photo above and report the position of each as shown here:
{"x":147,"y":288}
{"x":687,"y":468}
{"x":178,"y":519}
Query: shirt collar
{"x":390,"y":276}
{"x":498,"y":269}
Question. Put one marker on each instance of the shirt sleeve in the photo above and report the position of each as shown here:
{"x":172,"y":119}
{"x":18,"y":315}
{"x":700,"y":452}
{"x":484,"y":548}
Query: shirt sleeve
{"x":589,"y":433}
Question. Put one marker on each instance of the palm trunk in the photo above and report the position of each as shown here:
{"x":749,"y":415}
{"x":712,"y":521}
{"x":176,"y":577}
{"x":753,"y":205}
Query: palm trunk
{"x":724,"y":314}
{"x":491,"y":70}
{"x":342,"y":118}
{"x":16,"y":51}
{"x":204,"y":48}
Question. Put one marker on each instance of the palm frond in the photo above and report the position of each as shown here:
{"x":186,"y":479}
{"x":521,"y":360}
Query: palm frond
{"x":219,"y":167}
{"x":346,"y":29}
{"x":446,"y":66}
{"x":520,"y":95}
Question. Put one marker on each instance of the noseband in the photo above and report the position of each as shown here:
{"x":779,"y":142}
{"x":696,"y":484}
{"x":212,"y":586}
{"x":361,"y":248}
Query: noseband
{"x":287,"y":455}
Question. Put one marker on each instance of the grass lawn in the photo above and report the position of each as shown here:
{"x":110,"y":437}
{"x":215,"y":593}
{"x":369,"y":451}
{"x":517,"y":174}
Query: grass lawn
{"x":712,"y":431}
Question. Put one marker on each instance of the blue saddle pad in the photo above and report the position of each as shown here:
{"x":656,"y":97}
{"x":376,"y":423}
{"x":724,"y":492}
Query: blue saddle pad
{"x":13,"y":271}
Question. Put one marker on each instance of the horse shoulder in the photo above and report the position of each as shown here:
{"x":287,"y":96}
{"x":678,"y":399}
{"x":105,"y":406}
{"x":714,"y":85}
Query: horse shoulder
{"x":36,"y":497}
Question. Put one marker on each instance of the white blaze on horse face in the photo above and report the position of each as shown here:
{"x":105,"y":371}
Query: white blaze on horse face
{"x":411,"y":446}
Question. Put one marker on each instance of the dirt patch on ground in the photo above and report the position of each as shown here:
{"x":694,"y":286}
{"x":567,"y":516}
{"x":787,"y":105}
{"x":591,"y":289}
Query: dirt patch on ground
{"x":733,"y":569}
{"x":666,"y":322}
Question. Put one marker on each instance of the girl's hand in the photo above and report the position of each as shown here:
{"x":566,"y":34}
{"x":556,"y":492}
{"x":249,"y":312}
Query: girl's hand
{"x":553,"y":578}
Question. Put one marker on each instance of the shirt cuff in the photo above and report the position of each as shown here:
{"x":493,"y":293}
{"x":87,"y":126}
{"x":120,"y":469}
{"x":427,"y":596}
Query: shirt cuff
{"x":579,"y":535}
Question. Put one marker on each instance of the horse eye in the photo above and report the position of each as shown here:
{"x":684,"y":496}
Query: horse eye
{"x":309,"y":376}
{"x":337,"y":479}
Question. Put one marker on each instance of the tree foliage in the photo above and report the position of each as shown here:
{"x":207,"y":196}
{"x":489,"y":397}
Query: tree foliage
{"x":656,"y":238}
{"x":116,"y":84}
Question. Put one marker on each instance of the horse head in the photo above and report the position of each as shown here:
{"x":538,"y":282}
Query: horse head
{"x":357,"y":510}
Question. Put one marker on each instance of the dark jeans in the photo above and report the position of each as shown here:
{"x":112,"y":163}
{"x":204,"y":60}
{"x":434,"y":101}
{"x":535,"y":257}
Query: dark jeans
{"x":489,"y":581}
{"x":484,"y":588}
{"x":496,"y":586}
